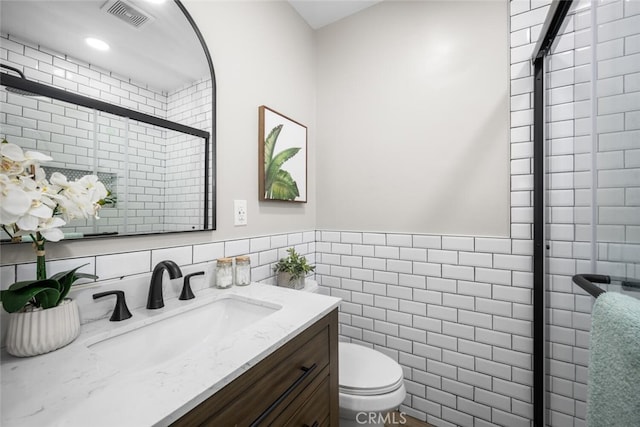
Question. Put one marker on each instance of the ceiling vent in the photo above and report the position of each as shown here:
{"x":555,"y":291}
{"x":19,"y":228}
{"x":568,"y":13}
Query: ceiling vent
{"x":127,"y":12}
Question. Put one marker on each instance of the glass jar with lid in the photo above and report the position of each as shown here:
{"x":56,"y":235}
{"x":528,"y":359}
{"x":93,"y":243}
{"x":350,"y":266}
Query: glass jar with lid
{"x":243,"y":270}
{"x":224,"y":273}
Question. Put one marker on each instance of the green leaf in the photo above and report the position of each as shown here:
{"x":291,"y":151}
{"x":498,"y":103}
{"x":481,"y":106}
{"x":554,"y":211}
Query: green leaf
{"x":13,"y":301}
{"x":269,"y":144}
{"x":67,"y":278}
{"x":45,"y":293}
{"x":46,"y":283}
{"x":276,"y":164}
{"x":284,"y":187}
{"x":47,"y":298}
{"x":67,"y":275}
{"x":86,"y":276}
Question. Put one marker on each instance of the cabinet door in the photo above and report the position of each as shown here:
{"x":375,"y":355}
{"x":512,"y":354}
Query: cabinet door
{"x":278,"y":387}
{"x":314,"y":411}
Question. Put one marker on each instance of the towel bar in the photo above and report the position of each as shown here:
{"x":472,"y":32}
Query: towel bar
{"x":586,"y":282}
{"x":631,"y":284}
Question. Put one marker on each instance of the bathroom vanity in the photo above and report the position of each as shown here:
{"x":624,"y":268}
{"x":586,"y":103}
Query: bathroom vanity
{"x":278,"y":365}
{"x":297,"y":385}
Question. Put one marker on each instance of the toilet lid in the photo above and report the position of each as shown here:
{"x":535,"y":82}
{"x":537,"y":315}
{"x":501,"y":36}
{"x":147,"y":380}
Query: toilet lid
{"x":366,"y":372}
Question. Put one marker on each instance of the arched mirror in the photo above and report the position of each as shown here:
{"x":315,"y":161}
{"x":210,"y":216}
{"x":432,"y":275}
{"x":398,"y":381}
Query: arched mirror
{"x":123,"y":89}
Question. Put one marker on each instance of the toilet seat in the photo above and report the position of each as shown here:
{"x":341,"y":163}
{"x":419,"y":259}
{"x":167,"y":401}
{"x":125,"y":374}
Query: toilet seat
{"x":367,"y":372}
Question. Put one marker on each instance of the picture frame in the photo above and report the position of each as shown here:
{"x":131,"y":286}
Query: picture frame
{"x":282,"y":157}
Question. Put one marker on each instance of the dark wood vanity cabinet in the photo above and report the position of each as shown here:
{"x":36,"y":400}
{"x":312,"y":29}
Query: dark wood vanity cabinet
{"x":296,"y":386}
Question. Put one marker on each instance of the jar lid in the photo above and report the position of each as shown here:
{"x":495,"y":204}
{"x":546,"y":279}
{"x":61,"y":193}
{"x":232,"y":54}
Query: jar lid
{"x":242,"y":258}
{"x":224,"y":260}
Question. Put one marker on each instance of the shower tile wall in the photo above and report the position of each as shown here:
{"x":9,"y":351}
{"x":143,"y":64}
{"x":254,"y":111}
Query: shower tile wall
{"x":46,"y":125}
{"x":568,"y":219}
{"x":618,"y":134}
{"x":191,"y":106}
{"x":571,"y":174}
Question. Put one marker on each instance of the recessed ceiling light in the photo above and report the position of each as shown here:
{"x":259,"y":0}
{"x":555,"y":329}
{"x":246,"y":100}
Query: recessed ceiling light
{"x":96,"y":43}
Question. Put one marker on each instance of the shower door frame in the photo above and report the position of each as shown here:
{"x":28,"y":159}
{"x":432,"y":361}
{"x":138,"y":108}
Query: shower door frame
{"x":555,"y":18}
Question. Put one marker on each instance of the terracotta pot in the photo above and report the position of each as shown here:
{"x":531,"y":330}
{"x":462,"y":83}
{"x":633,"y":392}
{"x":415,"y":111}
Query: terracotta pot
{"x":284,"y":280}
{"x":37,"y":331}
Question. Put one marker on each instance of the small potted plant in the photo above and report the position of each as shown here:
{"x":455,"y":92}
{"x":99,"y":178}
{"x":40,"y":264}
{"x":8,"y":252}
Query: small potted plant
{"x":292,"y":270}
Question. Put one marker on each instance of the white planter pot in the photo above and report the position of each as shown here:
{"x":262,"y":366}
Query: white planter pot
{"x":284,"y":280}
{"x":39,"y":331}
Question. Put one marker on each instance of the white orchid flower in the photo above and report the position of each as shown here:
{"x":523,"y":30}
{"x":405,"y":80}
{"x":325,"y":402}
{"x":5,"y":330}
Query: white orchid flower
{"x":94,"y":187}
{"x":12,"y":152}
{"x":71,"y":197}
{"x":59,"y":180}
{"x":31,"y":204}
{"x":35,"y":156}
{"x":15,"y":161}
{"x":39,"y":190}
{"x":14,"y":201}
{"x":77,"y":199}
{"x":37,"y":214}
{"x":12,"y":159}
{"x":50,"y":229}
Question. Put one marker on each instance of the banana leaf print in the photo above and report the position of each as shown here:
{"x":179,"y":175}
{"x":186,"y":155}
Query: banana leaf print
{"x":278,"y":182}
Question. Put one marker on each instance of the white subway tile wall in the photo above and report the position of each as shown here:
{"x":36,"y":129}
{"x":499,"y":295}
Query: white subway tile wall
{"x":190,"y":105}
{"x":457,"y":318}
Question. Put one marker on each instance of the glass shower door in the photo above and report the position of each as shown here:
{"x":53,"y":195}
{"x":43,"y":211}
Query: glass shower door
{"x":592,"y":185}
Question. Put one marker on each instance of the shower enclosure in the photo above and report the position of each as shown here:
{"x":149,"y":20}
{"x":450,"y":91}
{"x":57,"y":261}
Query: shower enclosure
{"x":587,"y":187}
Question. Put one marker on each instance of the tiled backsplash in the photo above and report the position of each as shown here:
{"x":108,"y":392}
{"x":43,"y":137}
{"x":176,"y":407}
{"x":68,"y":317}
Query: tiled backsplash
{"x":131,"y":271}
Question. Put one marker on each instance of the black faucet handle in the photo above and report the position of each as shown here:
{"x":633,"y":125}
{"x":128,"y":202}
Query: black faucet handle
{"x":120,"y":311}
{"x":187,"y":293}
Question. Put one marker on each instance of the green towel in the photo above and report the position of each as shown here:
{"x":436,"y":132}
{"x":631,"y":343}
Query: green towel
{"x":614,"y":362}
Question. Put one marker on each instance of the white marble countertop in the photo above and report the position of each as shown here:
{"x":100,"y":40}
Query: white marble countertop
{"x":73,"y":386}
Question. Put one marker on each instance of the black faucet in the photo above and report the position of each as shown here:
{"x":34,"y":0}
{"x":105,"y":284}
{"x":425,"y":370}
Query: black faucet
{"x":155,"y":299}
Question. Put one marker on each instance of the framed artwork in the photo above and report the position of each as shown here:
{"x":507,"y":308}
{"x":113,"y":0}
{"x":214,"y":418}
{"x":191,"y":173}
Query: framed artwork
{"x":282,"y":158}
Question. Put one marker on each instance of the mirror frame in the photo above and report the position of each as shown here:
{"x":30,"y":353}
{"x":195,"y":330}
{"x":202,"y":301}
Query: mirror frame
{"x":212,"y":140}
{"x":209,"y":138}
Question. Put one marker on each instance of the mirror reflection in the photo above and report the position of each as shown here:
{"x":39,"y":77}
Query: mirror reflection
{"x":156,"y":67}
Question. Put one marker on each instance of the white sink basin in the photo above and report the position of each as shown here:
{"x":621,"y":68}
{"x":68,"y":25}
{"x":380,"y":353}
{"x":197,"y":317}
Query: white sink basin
{"x":169,"y":337}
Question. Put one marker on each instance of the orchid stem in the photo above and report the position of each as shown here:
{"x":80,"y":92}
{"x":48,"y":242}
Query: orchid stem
{"x":41,"y":265}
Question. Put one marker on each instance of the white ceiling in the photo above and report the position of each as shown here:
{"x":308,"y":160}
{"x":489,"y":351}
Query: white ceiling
{"x":163,"y":53}
{"x":319,"y":13}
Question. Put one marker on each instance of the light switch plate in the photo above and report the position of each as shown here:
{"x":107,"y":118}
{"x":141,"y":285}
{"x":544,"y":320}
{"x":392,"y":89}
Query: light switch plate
{"x":239,"y":212}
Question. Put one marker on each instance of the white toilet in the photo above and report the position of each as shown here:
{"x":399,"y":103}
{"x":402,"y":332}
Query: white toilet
{"x":370,"y":383}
